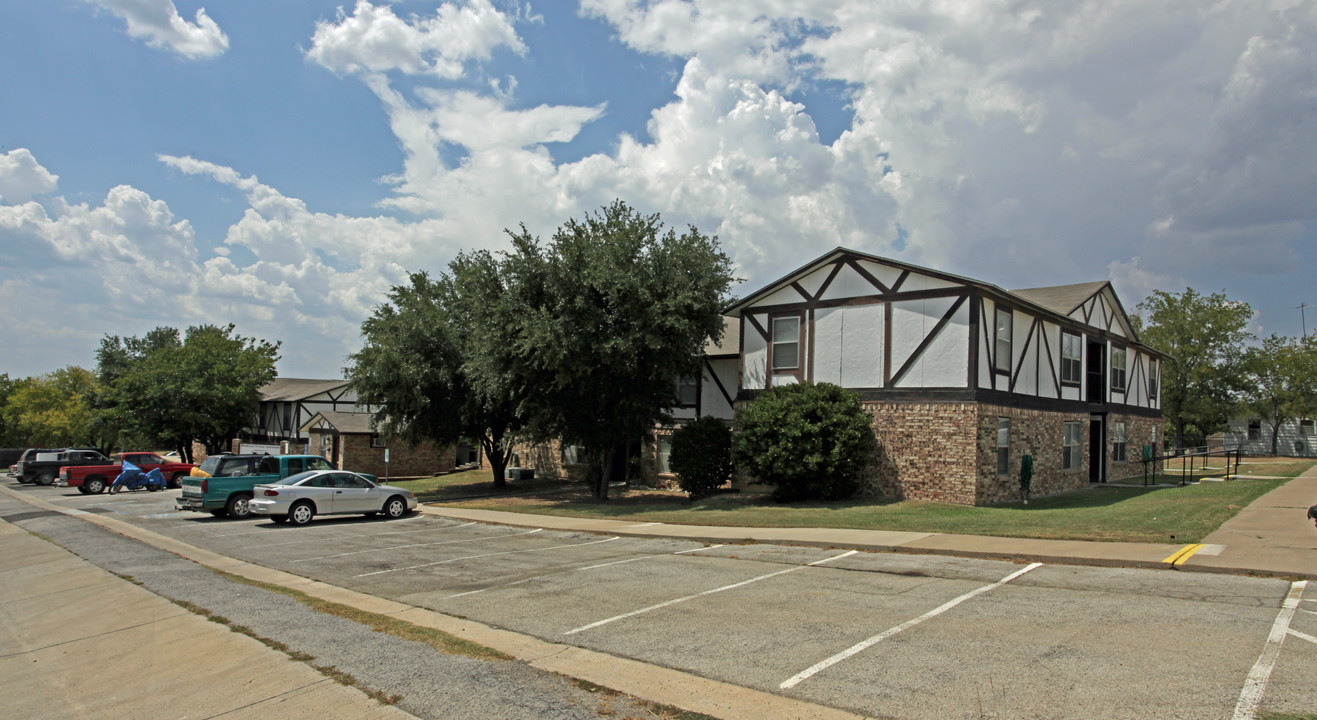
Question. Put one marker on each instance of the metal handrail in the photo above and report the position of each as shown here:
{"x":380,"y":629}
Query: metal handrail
{"x":1187,"y":456}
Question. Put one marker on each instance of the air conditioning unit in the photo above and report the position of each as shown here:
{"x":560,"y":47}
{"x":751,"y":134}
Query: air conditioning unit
{"x":517,"y":473}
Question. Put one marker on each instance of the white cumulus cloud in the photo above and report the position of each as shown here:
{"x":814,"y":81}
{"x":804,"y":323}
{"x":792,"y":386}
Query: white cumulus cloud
{"x":374,"y":39}
{"x":21,"y":177}
{"x":160,"y":25}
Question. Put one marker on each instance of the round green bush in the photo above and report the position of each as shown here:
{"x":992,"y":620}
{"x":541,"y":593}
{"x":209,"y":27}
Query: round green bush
{"x":808,"y":440}
{"x":701,"y":455}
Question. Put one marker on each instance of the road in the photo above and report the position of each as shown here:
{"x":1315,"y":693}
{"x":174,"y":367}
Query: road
{"x":884,"y":635}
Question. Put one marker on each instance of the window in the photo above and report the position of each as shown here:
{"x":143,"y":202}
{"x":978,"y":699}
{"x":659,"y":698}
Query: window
{"x":1306,"y":427}
{"x":1118,"y":361}
{"x":574,"y":455}
{"x":688,"y":391}
{"x":1003,"y":346}
{"x":1254,"y":429}
{"x":1072,"y":358}
{"x":318,"y":463}
{"x":1152,"y":379}
{"x":1071,"y":447}
{"x":377,"y":441}
{"x":1118,"y":442}
{"x":1003,"y":446}
{"x":664,"y":453}
{"x":786,"y":343}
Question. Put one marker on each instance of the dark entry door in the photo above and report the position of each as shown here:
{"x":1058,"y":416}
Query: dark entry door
{"x":1097,"y":443}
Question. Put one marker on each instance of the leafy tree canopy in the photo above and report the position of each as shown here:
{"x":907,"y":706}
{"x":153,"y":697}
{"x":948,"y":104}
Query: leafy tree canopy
{"x":168,"y":389}
{"x":431,"y":360}
{"x":51,"y":410}
{"x":609,"y":315}
{"x":1280,"y":381}
{"x":1205,"y":337}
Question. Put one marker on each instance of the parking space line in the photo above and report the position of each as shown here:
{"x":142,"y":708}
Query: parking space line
{"x":674,"y":601}
{"x":860,"y":647}
{"x":415,"y":545}
{"x":683,"y":552}
{"x":472,"y":557}
{"x":580,"y":569}
{"x":1256,"y":683}
{"x":356,"y":536}
{"x":1303,"y":636}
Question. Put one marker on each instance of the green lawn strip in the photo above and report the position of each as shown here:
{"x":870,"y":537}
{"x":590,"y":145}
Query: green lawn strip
{"x":655,"y":710}
{"x":1126,"y":514}
{"x":470,"y":483}
{"x":437,"y":639}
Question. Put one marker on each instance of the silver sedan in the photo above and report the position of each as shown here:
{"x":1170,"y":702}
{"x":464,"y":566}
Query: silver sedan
{"x":300,"y":497}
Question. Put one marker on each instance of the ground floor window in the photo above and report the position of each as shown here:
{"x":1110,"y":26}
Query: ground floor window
{"x":1254,"y":429}
{"x":1003,"y":446}
{"x":1118,"y":442}
{"x":664,"y":453}
{"x":1072,"y":446}
{"x":574,"y":455}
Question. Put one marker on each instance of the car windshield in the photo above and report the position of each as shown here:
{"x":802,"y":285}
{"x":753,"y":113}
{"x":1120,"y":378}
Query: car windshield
{"x":294,"y":479}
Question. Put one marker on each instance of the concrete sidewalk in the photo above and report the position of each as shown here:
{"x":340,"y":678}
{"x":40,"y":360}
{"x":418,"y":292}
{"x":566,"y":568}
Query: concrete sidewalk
{"x":1272,"y":536}
{"x":114,"y":650}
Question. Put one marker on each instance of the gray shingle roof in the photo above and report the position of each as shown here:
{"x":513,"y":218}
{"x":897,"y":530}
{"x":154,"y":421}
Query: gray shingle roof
{"x":293,"y":389}
{"x":1062,"y":299}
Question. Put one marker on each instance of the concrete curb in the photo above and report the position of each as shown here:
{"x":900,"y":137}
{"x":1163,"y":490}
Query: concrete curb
{"x":642,"y":680}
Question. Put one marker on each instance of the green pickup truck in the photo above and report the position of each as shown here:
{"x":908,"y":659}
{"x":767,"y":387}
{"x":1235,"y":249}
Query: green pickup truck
{"x":223,"y":484}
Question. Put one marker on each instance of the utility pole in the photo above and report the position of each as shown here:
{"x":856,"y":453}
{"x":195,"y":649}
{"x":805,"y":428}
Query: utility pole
{"x":1302,"y":317}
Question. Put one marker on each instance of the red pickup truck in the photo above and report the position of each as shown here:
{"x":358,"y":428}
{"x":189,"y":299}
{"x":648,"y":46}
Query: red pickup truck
{"x":93,"y":479}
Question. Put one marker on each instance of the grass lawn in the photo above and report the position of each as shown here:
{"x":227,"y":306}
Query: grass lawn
{"x":1168,"y":514}
{"x":471,"y":482}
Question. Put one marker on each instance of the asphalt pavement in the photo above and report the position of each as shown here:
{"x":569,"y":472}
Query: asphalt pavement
{"x":87,"y":660}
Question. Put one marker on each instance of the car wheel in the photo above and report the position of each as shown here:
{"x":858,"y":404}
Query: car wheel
{"x":93,"y":486}
{"x":301,"y":513}
{"x":395,"y":507}
{"x":176,"y":481}
{"x":281,"y":519}
{"x":82,"y":488}
{"x":238,"y":508}
{"x":46,"y":479}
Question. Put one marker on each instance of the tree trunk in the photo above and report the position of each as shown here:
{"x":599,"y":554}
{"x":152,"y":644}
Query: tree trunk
{"x":606,"y":457}
{"x":1275,"y":436}
{"x":498,"y":460}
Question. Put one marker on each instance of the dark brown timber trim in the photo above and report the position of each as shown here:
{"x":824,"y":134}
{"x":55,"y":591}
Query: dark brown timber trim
{"x":928,"y":340}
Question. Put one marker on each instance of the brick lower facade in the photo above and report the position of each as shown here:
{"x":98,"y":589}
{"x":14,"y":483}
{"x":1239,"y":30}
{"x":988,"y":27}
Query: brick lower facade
{"x":356,"y":454}
{"x":947,"y":451}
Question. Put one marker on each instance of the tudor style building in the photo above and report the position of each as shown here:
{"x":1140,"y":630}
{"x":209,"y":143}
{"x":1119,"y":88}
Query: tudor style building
{"x":962,"y":378}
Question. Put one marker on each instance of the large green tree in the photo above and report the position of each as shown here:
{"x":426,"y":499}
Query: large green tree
{"x":1280,"y":381}
{"x":1204,"y":337}
{"x":53,"y":409}
{"x":431,"y":363}
{"x":609,"y":315}
{"x":169,"y":388}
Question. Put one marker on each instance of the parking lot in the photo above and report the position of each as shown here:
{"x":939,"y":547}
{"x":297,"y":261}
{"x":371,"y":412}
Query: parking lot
{"x":891,"y":635}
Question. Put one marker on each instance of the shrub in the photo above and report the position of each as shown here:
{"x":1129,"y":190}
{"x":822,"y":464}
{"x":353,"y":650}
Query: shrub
{"x":701,"y":455}
{"x":809,"y":440}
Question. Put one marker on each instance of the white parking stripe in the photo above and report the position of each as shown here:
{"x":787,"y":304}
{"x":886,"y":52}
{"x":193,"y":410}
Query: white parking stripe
{"x":472,"y":557}
{"x":580,"y":569}
{"x":356,"y":536}
{"x":848,"y":652}
{"x":1303,"y":636}
{"x":743,"y":583}
{"x":1256,"y":683}
{"x":415,"y":545}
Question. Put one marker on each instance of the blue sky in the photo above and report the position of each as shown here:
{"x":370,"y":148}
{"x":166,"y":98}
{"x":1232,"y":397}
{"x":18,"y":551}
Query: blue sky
{"x":281,"y":165}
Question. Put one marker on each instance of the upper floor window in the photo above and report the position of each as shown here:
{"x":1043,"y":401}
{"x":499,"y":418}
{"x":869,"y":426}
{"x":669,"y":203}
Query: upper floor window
{"x":1254,"y":429}
{"x":1118,"y":361}
{"x":688,"y":391}
{"x":1003,"y":344}
{"x":1072,"y":358}
{"x":786,"y":343}
{"x":1152,"y":379}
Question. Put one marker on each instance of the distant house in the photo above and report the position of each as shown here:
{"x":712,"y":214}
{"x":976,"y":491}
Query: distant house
{"x":1297,"y":437}
{"x":348,"y":440}
{"x":288,"y":403}
{"x":962,"y":378}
